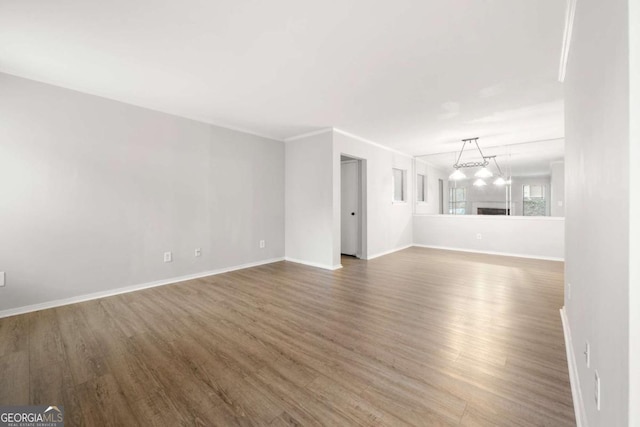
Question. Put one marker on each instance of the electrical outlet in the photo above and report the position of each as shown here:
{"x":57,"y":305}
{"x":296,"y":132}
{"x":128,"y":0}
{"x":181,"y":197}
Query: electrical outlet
{"x":2,"y":282}
{"x":262,"y":244}
{"x":596,"y":390}
{"x":198,"y":252}
{"x":479,"y":236}
{"x":587,"y":353}
{"x":167,"y":257}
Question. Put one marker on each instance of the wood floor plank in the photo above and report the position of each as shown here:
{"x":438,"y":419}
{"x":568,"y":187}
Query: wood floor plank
{"x":81,"y":348}
{"x":14,"y":374}
{"x":14,"y":334}
{"x":53,"y":385}
{"x":45,"y":340}
{"x":418,"y":337}
{"x":104,"y":404}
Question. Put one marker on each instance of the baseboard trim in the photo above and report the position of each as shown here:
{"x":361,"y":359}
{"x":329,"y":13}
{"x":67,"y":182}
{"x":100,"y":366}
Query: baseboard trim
{"x":379,"y":254}
{"x":578,"y":403}
{"x":447,"y":248}
{"x":127,"y":289}
{"x":314,"y":264}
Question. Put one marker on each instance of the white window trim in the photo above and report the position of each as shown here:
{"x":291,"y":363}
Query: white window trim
{"x":404,"y":187}
{"x":424,"y":189}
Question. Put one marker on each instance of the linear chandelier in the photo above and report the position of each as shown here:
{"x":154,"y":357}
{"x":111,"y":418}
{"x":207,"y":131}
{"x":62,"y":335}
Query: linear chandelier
{"x":484,"y":171}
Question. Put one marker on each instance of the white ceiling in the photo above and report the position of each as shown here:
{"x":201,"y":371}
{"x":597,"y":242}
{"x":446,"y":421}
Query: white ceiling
{"x":416,"y":75}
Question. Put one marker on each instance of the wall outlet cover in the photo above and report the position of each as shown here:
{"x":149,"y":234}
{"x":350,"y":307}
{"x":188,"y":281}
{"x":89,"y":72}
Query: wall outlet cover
{"x":167,"y":257}
{"x":2,"y":282}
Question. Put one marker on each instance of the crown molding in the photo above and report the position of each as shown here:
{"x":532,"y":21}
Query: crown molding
{"x":349,"y":135}
{"x":233,"y":128}
{"x":566,"y":41}
{"x":375,"y":144}
{"x":308,"y":134}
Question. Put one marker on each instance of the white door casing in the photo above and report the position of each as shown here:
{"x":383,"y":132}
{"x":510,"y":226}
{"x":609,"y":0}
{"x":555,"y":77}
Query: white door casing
{"x":349,"y":207}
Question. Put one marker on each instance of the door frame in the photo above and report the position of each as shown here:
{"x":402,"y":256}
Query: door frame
{"x":361,"y":245}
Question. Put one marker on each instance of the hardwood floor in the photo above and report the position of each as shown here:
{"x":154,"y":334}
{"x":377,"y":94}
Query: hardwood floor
{"x":419,"y":337}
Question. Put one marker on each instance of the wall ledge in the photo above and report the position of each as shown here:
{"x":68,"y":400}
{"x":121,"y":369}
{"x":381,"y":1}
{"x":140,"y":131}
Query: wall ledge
{"x":494,"y":217}
{"x":448,"y":248}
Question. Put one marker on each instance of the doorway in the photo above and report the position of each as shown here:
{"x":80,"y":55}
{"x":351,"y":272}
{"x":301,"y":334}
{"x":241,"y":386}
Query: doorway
{"x":352,"y":206}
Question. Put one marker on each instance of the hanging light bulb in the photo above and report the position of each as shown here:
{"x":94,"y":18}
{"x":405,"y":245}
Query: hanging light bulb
{"x":484,"y":173}
{"x":479,"y":182}
{"x":499,"y":181}
{"x":457,"y":175}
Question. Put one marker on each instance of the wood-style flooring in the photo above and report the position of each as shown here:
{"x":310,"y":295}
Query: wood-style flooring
{"x":419,"y":337}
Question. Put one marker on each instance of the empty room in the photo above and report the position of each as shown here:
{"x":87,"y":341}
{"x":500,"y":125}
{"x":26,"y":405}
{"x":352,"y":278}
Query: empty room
{"x":245,"y":213}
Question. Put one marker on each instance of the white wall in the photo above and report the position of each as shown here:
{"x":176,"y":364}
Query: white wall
{"x":557,"y":189}
{"x":634,"y":213}
{"x":432,"y":175}
{"x":536,"y":237}
{"x":313,"y":198}
{"x":310,"y":201}
{"x":389,"y":225}
{"x":597,"y":205}
{"x":94,"y":191}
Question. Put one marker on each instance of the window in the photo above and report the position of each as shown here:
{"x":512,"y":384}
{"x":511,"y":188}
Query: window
{"x":421,"y":189}
{"x":457,"y":201}
{"x":399,"y":185}
{"x":533,"y":200}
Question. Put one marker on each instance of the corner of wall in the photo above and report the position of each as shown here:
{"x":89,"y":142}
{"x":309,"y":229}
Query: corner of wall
{"x":576,"y":392}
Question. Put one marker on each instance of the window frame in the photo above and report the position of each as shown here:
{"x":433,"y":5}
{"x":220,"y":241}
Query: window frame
{"x":422,"y":193}
{"x":530,"y":199}
{"x":454,"y":203}
{"x":403,"y":186}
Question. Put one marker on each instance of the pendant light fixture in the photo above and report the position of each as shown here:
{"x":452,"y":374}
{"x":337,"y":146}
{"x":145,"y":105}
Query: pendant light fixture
{"x":457,"y":175}
{"x":483,"y":172}
{"x":499,"y":181}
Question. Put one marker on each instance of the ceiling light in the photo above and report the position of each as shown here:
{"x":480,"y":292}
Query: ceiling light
{"x":500,"y":181}
{"x":484,"y":173}
{"x":479,"y":182}
{"x":457,"y":175}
